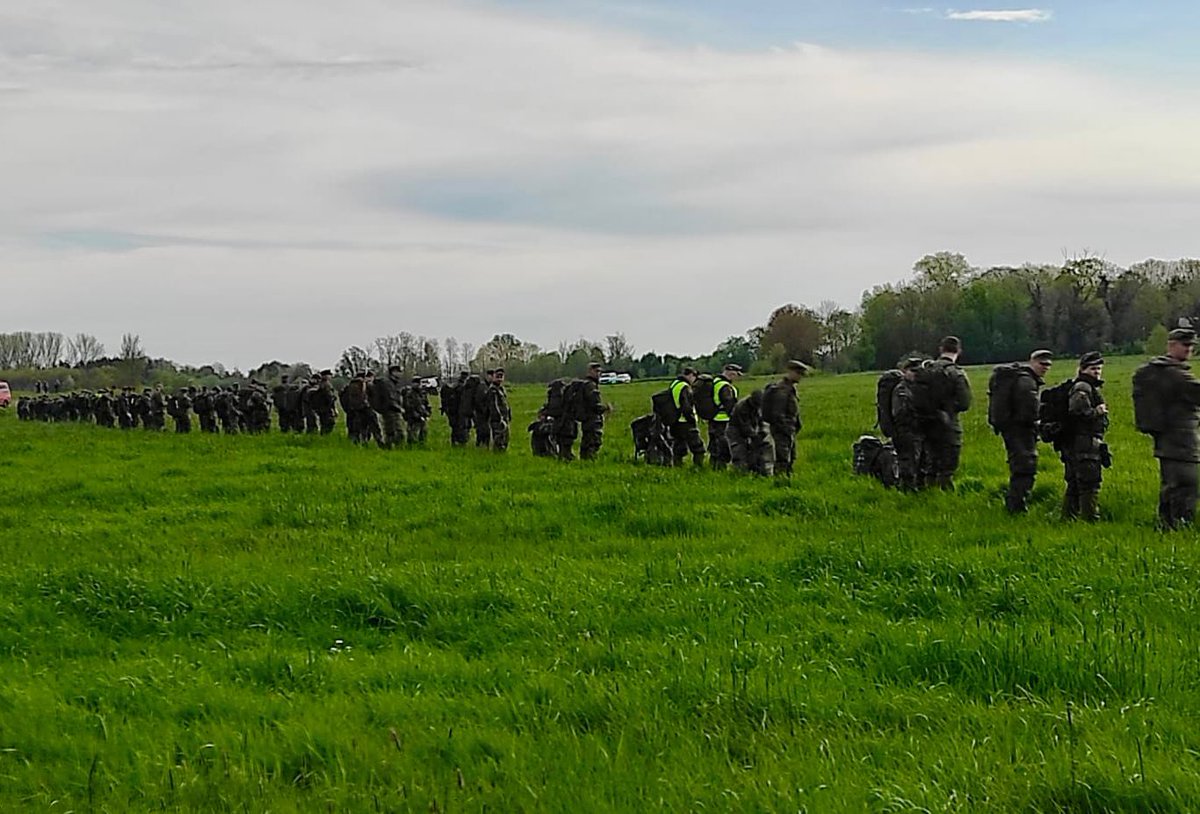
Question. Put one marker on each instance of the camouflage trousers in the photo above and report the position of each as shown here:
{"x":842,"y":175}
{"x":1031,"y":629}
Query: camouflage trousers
{"x":592,"y":438}
{"x":718,"y":444}
{"x":393,"y":430}
{"x":910,"y":451}
{"x":1021,"y":445}
{"x":483,"y":430}
{"x":183,"y":423}
{"x":417,"y":431}
{"x":499,"y":434}
{"x":460,"y":430}
{"x":784,"y":440}
{"x":1083,"y":474}
{"x":685,"y":438}
{"x":1177,"y":494}
{"x":943,"y":451}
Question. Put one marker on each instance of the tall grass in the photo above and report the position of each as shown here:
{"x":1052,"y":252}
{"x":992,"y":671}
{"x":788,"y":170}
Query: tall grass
{"x":297,"y":624}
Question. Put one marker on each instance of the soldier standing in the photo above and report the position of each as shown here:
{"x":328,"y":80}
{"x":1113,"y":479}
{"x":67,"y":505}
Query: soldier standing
{"x":480,"y":416}
{"x":685,"y":434}
{"x":726,"y":395}
{"x":450,"y":398}
{"x":156,"y":408}
{"x":387,"y":397}
{"x":1164,"y":389}
{"x":180,"y":407}
{"x":781,"y":410}
{"x":1083,"y":450}
{"x":592,"y":412}
{"x":1013,"y":409}
{"x":907,"y":435}
{"x":324,"y":402}
{"x":279,"y":397}
{"x":416,"y":411}
{"x":499,"y":414}
{"x":949,"y":394}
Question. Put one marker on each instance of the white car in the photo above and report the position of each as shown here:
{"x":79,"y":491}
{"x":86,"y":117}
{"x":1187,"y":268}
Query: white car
{"x":608,"y":378}
{"x":623,"y":378}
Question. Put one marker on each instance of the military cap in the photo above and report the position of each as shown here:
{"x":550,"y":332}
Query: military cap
{"x":1185,"y":335}
{"x":489,"y":371}
{"x":498,"y":370}
{"x":326,"y":372}
{"x":1041,"y":355}
{"x":911,"y":363}
{"x":416,"y":379}
{"x":395,"y":368}
{"x":362,"y":374}
{"x":688,"y":370}
{"x":1091,"y":359}
{"x":797,"y":366}
{"x":595,"y":365}
{"x":734,"y":367}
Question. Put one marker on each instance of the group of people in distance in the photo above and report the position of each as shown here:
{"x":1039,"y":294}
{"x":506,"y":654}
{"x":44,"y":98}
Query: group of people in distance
{"x":918,"y":407}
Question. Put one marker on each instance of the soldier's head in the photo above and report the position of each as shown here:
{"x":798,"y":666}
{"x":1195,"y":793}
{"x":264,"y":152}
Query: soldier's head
{"x":1180,"y":343}
{"x":1091,"y":364}
{"x":284,"y":379}
{"x":593,"y":371}
{"x":910,"y":366}
{"x":732,"y":371}
{"x":489,"y":374}
{"x":498,"y":375}
{"x":951,"y":347}
{"x":795,"y":370}
{"x":1040,"y":361}
{"x":689,"y":374}
{"x":463,"y":374}
{"x":326,"y":374}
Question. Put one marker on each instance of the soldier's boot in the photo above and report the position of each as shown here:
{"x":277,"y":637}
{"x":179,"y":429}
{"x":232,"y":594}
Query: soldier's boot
{"x":1017,"y":500}
{"x":1070,"y":508}
{"x":1089,"y":506}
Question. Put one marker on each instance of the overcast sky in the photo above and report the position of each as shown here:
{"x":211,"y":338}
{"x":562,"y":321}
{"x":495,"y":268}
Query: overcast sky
{"x":243,"y":181}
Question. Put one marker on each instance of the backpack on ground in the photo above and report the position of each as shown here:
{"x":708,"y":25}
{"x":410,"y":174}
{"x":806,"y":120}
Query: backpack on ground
{"x":883,"y":401}
{"x":704,"y":395}
{"x":651,"y":440}
{"x":1054,"y":411}
{"x":1000,"y":401}
{"x":874,"y":458}
{"x":663,"y":404}
{"x":1149,"y":400}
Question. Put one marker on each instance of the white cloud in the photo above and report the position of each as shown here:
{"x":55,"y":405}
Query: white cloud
{"x":1025,"y":15}
{"x":241,"y":181}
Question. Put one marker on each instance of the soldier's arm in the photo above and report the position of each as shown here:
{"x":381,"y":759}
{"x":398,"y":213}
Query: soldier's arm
{"x":962,"y":393}
{"x":1079,"y":403}
{"x":1189,"y":389}
{"x":727,"y":399}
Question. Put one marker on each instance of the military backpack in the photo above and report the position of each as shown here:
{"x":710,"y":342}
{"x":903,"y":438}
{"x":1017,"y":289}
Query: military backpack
{"x":704,"y":394}
{"x":875,"y":458}
{"x":1149,"y":400}
{"x":564,"y":399}
{"x":1054,"y":411}
{"x":884,"y":388}
{"x":1000,"y":400}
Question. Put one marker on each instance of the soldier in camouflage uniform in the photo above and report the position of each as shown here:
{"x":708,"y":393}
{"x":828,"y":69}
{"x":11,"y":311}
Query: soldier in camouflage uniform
{"x":103,"y":409}
{"x":416,"y":411}
{"x":387,"y":397}
{"x":499,"y":414}
{"x":155,"y":405}
{"x":1176,"y":445}
{"x":450,"y":398}
{"x":943,"y":431}
{"x":751,"y":446}
{"x":685,"y":434}
{"x":480,"y":418}
{"x":226,"y":403}
{"x":205,"y":405}
{"x":591,"y":424}
{"x":908,"y":436}
{"x":1082,"y":447}
{"x":279,"y":398}
{"x":781,"y":410}
{"x":179,"y":407}
{"x":324,"y":402}
{"x":1020,"y":430}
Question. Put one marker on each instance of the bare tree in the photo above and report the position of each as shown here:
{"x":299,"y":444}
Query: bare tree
{"x":450,"y":360}
{"x":619,"y":350}
{"x":468,"y":354}
{"x":83,"y":349}
{"x":387,"y":351}
{"x":133,"y":360}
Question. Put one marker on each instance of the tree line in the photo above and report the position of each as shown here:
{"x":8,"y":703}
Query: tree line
{"x":1000,"y":313}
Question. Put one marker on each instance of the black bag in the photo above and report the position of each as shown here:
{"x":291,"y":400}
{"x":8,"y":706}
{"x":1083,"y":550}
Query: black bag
{"x":883,"y":401}
{"x":663,"y":403}
{"x":1000,"y":385}
{"x":876,"y":459}
{"x":705,"y":396}
{"x":1054,"y":414}
{"x":1149,"y":403}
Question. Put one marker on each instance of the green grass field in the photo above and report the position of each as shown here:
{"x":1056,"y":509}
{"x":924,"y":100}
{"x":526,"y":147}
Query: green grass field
{"x":296,"y":624}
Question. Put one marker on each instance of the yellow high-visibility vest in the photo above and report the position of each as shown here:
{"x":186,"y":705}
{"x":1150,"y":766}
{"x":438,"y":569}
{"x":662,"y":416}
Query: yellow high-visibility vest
{"x":721,"y":383}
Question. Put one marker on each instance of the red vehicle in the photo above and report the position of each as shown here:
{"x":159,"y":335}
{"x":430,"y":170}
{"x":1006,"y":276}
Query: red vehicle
{"x":5,"y":394}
